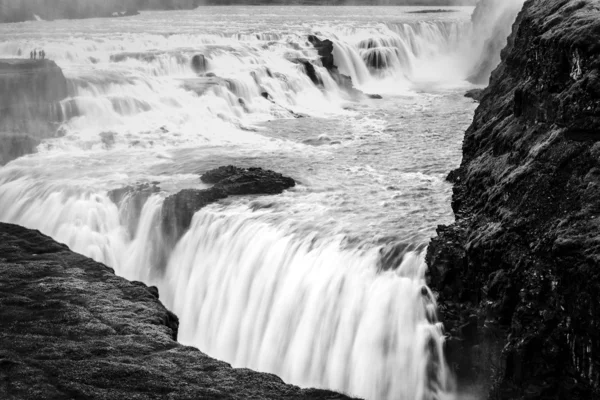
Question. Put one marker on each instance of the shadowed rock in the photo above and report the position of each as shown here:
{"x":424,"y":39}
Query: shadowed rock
{"x":239,"y":181}
{"x":178,"y":209}
{"x":325,"y":50}
{"x":518,"y":273}
{"x":309,"y":70}
{"x":130,"y":200}
{"x":475,"y":94}
{"x":199,"y":63}
{"x":30,"y":96}
{"x":72,"y":329}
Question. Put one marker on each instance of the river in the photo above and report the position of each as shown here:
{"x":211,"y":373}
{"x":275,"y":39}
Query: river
{"x":297,"y":284}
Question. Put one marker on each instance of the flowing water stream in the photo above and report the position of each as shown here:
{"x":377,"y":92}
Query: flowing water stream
{"x":322,"y":285}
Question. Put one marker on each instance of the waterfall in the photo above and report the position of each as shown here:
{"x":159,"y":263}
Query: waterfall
{"x":250,"y":288}
{"x":258,"y":296}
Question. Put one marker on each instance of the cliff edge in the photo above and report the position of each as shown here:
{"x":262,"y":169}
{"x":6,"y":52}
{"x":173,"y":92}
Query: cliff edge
{"x":70,"y":328}
{"x":30,"y":96}
{"x":518,"y":273}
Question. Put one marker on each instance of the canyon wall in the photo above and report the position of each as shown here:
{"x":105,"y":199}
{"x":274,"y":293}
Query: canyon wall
{"x":518,"y":273}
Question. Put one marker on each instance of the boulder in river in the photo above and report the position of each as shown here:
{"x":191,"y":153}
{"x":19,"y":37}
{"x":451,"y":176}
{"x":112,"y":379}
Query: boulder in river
{"x":199,"y":63}
{"x":240,"y":181}
{"x":178,"y":209}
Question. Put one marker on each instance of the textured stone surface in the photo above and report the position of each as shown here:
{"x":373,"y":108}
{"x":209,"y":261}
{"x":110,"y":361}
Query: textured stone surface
{"x":71,"y":329}
{"x":519,"y":272}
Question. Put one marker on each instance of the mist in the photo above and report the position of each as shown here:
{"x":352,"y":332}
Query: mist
{"x":28,"y":10}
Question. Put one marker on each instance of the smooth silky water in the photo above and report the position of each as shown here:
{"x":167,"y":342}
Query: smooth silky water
{"x":296,"y":284}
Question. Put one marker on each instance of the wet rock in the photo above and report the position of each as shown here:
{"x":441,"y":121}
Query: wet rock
{"x":178,"y":209}
{"x":475,"y":94}
{"x":199,"y":63}
{"x":131,"y":200}
{"x":310,"y":71}
{"x":516,"y":273}
{"x":325,"y":51}
{"x":71,"y":328}
{"x":31,"y":92}
{"x":237,"y":181}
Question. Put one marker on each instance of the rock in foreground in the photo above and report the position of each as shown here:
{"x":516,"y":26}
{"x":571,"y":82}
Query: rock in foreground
{"x":71,"y":329}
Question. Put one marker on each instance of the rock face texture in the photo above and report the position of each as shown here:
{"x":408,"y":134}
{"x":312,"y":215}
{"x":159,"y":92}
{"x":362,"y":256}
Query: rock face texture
{"x":179,"y":208}
{"x":518,"y":273}
{"x":71,"y":329}
{"x":31,"y":91}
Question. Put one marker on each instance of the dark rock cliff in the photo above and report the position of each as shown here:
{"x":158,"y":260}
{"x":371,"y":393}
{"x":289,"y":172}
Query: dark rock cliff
{"x":71,"y":329}
{"x":518,"y":273}
{"x":30,"y":95}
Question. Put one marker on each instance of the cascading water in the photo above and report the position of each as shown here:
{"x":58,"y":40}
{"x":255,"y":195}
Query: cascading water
{"x":291,"y":284}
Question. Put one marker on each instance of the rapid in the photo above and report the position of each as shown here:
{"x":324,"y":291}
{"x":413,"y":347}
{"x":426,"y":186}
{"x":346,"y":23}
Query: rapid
{"x":323,"y":285}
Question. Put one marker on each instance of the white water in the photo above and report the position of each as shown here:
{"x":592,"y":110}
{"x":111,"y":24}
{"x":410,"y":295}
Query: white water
{"x":287,"y":284}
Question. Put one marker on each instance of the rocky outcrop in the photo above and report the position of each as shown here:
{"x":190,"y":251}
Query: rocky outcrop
{"x":475,"y":94}
{"x":72,"y":329}
{"x":30,"y":103}
{"x":518,"y":273}
{"x":178,"y":209}
{"x":325,"y":50}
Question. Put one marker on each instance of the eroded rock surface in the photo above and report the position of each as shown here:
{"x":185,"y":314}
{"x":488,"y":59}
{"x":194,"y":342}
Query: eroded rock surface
{"x":71,"y":329}
{"x":519,"y":272}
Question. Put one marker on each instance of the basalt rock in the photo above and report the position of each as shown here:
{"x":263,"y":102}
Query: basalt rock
{"x":518,"y":273}
{"x":310,"y":70}
{"x":178,"y":209}
{"x":199,"y":63}
{"x":244,"y":181}
{"x":475,"y":94}
{"x":325,"y":50}
{"x":72,"y":329}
